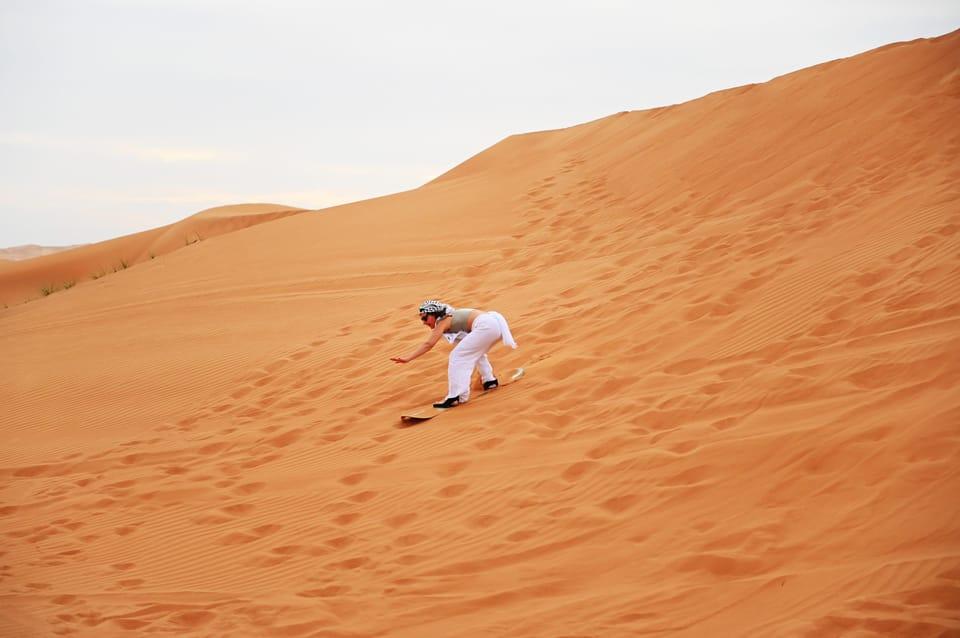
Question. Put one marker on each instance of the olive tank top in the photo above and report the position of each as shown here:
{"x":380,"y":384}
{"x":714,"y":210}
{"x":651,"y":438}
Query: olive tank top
{"x":460,"y":317}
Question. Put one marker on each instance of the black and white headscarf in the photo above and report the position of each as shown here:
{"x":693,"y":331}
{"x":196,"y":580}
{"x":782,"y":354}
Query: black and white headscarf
{"x":436,"y":308}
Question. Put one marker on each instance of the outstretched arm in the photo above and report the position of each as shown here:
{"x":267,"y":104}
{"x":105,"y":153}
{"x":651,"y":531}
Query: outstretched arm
{"x":424,"y":348}
{"x":427,"y":345}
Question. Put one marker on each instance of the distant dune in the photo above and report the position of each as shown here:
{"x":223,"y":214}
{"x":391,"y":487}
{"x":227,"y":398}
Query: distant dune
{"x":740,"y":323}
{"x":50,"y":272}
{"x":29,"y":251}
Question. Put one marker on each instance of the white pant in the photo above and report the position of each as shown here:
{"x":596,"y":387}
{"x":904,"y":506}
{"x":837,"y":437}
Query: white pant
{"x":471,"y":352}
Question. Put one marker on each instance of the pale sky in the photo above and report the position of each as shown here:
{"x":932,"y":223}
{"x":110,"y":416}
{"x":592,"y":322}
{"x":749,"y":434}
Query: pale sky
{"x":118,"y":116}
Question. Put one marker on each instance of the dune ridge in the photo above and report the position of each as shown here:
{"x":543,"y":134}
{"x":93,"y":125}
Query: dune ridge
{"x":29,"y":251}
{"x":46,"y":272}
{"x":739,"y":318}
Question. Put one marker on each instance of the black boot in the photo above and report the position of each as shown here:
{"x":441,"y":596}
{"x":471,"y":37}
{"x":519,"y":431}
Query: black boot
{"x":490,"y":385}
{"x":448,"y":403}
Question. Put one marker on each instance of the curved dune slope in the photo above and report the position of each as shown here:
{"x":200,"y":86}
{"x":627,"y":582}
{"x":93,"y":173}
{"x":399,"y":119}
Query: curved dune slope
{"x":740,"y":320}
{"x":48,"y":273}
{"x":29,"y":251}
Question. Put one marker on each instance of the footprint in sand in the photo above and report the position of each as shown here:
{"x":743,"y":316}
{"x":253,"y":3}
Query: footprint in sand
{"x":452,"y":491}
{"x":489,"y":444}
{"x":339,"y":542}
{"x":620,"y":504}
{"x":353,"y":479}
{"x":607,"y":448}
{"x":238,"y":509}
{"x":452,"y":469}
{"x":363,"y":497}
{"x":130,"y":583}
{"x":483,"y":521}
{"x":249,"y":488}
{"x":578,"y":470}
{"x":346,"y":519}
{"x":331,"y":591}
{"x":350,"y":564}
{"x":242,"y":538}
{"x":523,"y":535}
{"x":386,"y":458}
{"x":400,"y":520}
{"x":287,"y":438}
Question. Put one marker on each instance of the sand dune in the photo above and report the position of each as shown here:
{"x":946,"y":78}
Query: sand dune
{"x":740,"y":320}
{"x":29,"y":251}
{"x":49,"y":272}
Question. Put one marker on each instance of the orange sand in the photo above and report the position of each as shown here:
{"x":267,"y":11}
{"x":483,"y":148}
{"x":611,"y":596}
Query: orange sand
{"x":740,"y":319}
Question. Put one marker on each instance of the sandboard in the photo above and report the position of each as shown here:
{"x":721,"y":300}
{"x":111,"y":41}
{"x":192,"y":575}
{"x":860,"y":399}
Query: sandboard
{"x":425,"y":414}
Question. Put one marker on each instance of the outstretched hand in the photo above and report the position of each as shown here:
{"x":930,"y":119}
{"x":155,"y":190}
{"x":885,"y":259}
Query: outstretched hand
{"x":399,"y":359}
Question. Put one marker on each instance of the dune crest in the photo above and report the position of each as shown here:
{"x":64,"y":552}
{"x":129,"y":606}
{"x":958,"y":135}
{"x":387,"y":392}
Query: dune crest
{"x":29,"y":251}
{"x":45,"y":272}
{"x":739,"y":321}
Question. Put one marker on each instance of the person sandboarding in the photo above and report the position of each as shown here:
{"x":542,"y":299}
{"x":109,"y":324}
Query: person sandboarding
{"x":474,"y":332}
